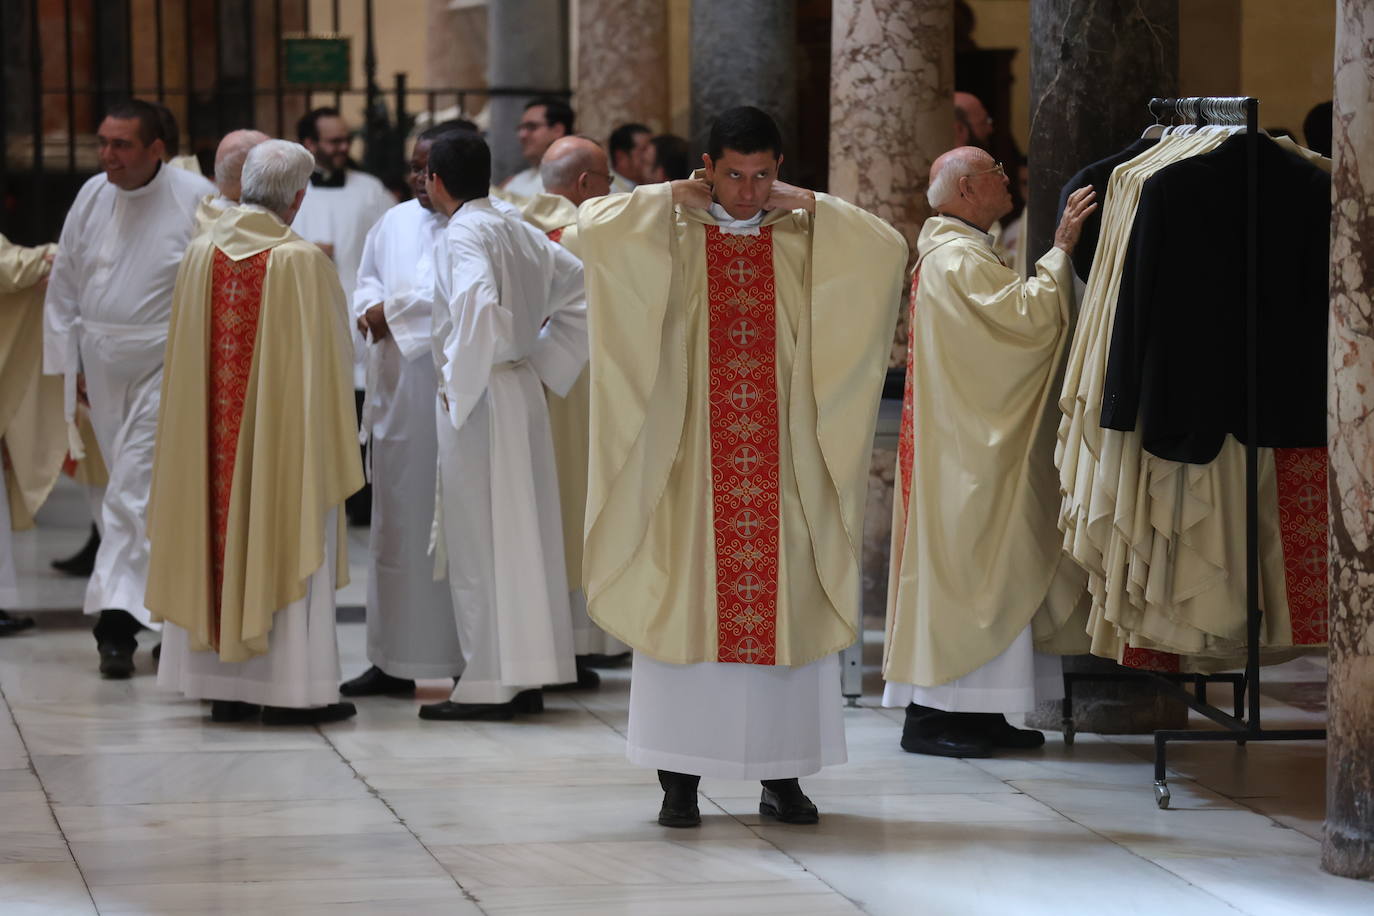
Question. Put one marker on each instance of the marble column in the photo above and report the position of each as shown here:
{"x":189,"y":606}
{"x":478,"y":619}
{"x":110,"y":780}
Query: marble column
{"x":456,"y":51}
{"x":622,"y":65}
{"x":1094,"y":67}
{"x":743,"y":53}
{"x":891,"y":114}
{"x":527,"y":49}
{"x":1348,"y":846}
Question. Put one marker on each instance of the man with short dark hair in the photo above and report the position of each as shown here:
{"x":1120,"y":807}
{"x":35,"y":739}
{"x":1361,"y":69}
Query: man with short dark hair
{"x":509,"y":318}
{"x":739,"y":336}
{"x":670,"y":159}
{"x":545,"y":120}
{"x":632,"y":153}
{"x":972,"y":123}
{"x":411,"y":631}
{"x":108,"y":304}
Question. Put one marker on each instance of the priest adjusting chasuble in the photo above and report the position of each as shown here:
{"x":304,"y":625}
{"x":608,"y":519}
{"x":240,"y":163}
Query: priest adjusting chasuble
{"x":31,"y":428}
{"x":975,"y":545}
{"x":257,"y":435}
{"x":735,"y":381}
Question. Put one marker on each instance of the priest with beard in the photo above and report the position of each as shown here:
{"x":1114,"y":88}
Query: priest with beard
{"x":739,"y":328}
{"x":976,"y":551}
{"x":256,"y":452}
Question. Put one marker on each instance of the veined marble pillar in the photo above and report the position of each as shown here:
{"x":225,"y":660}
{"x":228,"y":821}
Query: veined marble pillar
{"x":622,"y":65}
{"x":1348,"y":846}
{"x":743,"y":53}
{"x":1094,"y":68}
{"x":891,"y":114}
{"x":527,"y":49}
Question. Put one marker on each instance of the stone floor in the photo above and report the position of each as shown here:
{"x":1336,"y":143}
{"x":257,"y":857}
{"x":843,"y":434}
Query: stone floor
{"x":116,"y":797}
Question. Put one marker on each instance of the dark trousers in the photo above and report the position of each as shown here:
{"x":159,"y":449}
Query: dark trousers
{"x":117,"y":628}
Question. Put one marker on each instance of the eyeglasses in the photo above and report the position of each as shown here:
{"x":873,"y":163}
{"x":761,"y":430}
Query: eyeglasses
{"x":529,"y":125}
{"x":996,"y":168}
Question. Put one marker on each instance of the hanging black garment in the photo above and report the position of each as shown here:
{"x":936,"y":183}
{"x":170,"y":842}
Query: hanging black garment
{"x":1176,"y":368}
{"x":1097,"y":175}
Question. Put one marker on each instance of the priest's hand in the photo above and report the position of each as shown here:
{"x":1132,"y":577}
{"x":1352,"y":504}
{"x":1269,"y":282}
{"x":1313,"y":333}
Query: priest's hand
{"x":786,"y":196}
{"x":692,"y":192}
{"x":373,"y":322}
{"x":1082,"y":203}
{"x":81,"y":390}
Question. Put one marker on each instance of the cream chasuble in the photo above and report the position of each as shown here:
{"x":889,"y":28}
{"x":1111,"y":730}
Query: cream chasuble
{"x":256,"y":443}
{"x":32,"y":433}
{"x":734,"y":389}
{"x":556,"y":217}
{"x":974,"y":541}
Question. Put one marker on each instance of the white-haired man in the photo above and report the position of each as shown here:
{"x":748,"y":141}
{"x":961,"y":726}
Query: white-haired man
{"x":975,"y":548}
{"x":256,"y":452}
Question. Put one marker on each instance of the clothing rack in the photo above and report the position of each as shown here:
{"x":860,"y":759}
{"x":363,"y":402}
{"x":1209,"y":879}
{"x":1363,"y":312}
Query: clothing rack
{"x":1236,"y":727}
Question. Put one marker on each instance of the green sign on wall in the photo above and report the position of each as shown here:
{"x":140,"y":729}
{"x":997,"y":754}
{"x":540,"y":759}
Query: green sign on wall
{"x":316,"y":62}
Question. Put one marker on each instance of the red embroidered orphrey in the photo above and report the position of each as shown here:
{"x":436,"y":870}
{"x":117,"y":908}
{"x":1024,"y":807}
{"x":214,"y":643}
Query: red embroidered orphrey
{"x":744,"y":443}
{"x":906,"y":438}
{"x":235,"y":299}
{"x":555,"y":235}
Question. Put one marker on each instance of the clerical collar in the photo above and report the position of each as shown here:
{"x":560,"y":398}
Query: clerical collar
{"x":322,"y":179}
{"x":731,"y":226}
{"x":978,"y":229}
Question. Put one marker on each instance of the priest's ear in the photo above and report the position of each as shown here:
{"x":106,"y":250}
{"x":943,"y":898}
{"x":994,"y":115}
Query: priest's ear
{"x":295,"y":206}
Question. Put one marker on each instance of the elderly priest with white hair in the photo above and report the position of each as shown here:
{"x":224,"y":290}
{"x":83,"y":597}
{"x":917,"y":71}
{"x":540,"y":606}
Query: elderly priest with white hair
{"x":256,"y":452}
{"x":975,"y":547}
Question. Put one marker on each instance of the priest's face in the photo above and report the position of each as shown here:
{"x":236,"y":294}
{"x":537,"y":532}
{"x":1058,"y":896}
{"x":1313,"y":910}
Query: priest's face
{"x":331,"y":149}
{"x":741,"y":182}
{"x":536,"y":134}
{"x":419,"y":169}
{"x":128,"y":162}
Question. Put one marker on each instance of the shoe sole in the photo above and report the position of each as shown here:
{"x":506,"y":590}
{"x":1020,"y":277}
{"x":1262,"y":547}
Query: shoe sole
{"x":484,"y":716}
{"x":937,"y":752}
{"x":679,"y":823}
{"x":770,"y":811}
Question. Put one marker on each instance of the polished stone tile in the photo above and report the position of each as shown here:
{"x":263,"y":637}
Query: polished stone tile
{"x":116,"y":823}
{"x":226,"y":860}
{"x":18,"y":780}
{"x":43,"y":889}
{"x":762,"y":898}
{"x":519,"y":814}
{"x":28,"y":832}
{"x":627,"y":863}
{"x":136,"y":779}
{"x":49,"y":733}
{"x":390,"y":773}
{"x":564,"y":730}
{"x":380,"y":896}
{"x":839,"y":811}
{"x":1275,"y":885}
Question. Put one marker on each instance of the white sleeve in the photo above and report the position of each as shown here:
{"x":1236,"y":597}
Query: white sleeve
{"x":369,"y":289}
{"x":480,"y":325}
{"x":409,"y":318}
{"x":61,"y":307}
{"x":561,"y":351}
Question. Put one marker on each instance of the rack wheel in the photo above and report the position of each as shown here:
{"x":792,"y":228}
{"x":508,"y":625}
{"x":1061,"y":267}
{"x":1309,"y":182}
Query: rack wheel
{"x":1162,"y":794}
{"x":1069,"y":732}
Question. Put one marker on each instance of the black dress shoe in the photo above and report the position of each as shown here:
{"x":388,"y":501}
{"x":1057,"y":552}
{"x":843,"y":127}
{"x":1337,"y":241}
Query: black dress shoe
{"x":314,"y":715}
{"x":11,"y":624}
{"x":157,"y":652}
{"x":82,"y":563}
{"x":679,"y":800}
{"x":784,"y":800}
{"x":376,"y":682}
{"x":587,"y":679}
{"x":1005,"y":735}
{"x":116,"y":661}
{"x":232,"y":710}
{"x":942,"y":734}
{"x":526,"y":701}
{"x":599,"y":660}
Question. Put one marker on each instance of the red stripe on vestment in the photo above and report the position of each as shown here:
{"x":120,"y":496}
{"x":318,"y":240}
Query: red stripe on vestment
{"x":742,"y":301}
{"x":906,"y":439}
{"x":555,"y":235}
{"x":1301,"y":474}
{"x":235,"y":300}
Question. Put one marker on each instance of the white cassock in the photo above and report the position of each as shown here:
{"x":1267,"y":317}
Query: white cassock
{"x":411,"y":631}
{"x":300,"y":669}
{"x":109,"y":300}
{"x":524,"y":184}
{"x":342,"y":217}
{"x":1013,"y":682}
{"x":510,"y":316}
